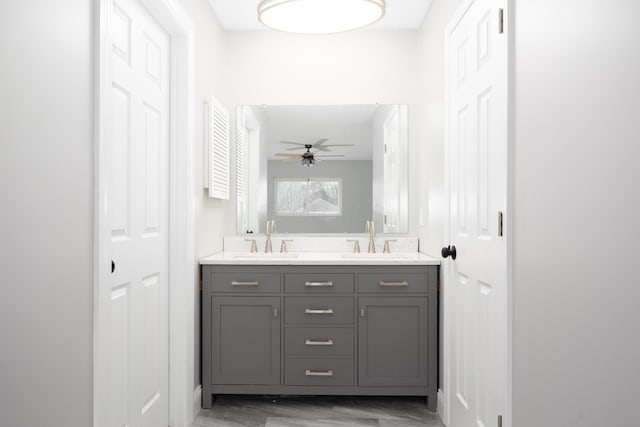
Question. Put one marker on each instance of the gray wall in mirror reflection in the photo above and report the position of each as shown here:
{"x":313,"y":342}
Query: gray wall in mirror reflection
{"x":356,"y":196}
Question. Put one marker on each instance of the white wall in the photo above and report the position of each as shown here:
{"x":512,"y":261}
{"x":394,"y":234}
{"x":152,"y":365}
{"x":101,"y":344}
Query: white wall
{"x":430,"y":177}
{"x":46,"y":191}
{"x":210,"y":214}
{"x":577,"y":210}
{"x":431,"y":123}
{"x":365,"y":67}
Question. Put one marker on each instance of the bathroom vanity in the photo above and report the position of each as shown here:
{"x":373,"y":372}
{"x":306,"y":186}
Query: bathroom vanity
{"x":319,"y":324}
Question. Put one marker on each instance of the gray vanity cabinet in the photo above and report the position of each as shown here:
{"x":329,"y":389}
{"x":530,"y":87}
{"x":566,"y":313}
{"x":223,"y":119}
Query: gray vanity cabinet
{"x":393,"y":341}
{"x":319,"y":329}
{"x":246,"y":340}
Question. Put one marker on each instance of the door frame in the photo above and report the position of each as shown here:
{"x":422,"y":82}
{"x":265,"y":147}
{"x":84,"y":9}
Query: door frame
{"x":444,"y":405}
{"x":182,"y":266}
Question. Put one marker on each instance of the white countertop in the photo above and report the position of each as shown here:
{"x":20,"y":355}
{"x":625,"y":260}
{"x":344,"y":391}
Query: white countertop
{"x":319,"y":258}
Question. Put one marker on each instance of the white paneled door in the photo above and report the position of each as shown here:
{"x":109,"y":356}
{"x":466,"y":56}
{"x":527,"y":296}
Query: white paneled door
{"x":135,"y":306}
{"x":477,"y":173}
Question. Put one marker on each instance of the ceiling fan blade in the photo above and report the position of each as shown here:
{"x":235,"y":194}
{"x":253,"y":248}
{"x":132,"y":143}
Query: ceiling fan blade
{"x":320,"y":141}
{"x":295,"y":148}
{"x":329,"y":155}
{"x":290,"y":142}
{"x":339,"y":145}
{"x":290,"y":155}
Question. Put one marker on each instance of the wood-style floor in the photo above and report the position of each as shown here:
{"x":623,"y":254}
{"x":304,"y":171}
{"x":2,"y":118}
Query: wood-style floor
{"x":317,"y":411}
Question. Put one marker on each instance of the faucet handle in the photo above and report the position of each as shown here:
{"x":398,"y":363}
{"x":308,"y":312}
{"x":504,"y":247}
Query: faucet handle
{"x":254,"y":245}
{"x":283,"y":245}
{"x":386,"y":249}
{"x":356,"y":245}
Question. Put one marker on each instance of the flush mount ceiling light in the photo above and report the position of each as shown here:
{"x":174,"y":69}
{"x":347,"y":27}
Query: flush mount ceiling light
{"x":319,"y":16}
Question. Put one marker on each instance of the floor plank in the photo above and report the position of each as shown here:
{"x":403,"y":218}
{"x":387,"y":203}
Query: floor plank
{"x":317,"y":411}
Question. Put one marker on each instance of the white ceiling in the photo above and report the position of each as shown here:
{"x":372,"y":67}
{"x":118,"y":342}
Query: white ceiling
{"x":242,"y":14}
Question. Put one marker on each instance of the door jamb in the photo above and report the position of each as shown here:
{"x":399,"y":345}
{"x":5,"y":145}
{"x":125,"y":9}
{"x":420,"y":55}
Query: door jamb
{"x":182,"y":267}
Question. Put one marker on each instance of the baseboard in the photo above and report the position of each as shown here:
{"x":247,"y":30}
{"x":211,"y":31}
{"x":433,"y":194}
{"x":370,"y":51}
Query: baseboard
{"x":441,"y":407}
{"x":197,"y":401}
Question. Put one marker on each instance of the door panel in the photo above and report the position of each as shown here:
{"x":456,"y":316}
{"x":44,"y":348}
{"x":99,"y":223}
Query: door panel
{"x":246,"y":340}
{"x":137,"y":203}
{"x":477,"y":193}
{"x":393,"y":346}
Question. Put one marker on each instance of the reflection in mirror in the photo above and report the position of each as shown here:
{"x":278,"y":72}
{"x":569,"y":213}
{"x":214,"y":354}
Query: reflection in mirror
{"x":322,"y":169}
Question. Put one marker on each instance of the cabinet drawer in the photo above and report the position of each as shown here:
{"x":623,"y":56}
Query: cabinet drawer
{"x":318,"y":371}
{"x":319,"y":283}
{"x":319,"y":341}
{"x":393,"y":282}
{"x":245,"y":282}
{"x":318,"y":310}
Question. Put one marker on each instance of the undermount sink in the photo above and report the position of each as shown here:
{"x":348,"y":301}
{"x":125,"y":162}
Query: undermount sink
{"x":263,"y":255}
{"x":399,"y":255}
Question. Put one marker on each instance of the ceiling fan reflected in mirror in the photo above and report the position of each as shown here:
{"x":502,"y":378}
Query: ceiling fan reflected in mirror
{"x":308,"y":158}
{"x":319,"y":145}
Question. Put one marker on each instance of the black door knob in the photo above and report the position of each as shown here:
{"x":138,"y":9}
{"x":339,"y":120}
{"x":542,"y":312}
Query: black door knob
{"x":449,"y":251}
{"x":113,"y":266}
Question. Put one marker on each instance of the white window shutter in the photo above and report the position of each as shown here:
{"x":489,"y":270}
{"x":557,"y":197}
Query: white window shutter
{"x":217,"y":129}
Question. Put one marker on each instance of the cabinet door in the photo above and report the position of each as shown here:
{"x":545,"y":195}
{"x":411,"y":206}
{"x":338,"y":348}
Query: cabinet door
{"x":393,"y":341}
{"x":245,"y":340}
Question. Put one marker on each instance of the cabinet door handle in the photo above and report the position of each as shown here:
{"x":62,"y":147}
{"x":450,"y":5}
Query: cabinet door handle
{"x":318,"y":284}
{"x":362,"y":313}
{"x":393,"y":284}
{"x":275,"y":313}
{"x":310,"y":373}
{"x":311,"y":342}
{"x":236,"y":283}
{"x":318,"y":311}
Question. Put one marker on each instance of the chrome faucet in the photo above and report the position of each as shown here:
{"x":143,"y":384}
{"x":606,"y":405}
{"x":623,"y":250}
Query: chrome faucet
{"x":267,"y":232}
{"x":371,"y":228}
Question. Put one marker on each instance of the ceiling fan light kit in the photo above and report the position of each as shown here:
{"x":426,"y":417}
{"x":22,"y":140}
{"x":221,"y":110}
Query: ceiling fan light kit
{"x":319,"y":16}
{"x":308,"y":161}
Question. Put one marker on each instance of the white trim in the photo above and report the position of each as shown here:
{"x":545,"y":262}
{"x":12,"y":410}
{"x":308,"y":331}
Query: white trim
{"x":182,"y":265}
{"x":197,"y":401}
{"x":441,"y":405}
{"x":510,"y":204}
{"x":444,"y":406}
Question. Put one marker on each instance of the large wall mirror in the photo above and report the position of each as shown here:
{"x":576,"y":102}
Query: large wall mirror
{"x":322,"y":169}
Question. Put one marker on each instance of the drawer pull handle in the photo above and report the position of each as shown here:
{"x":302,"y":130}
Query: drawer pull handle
{"x":236,"y":283}
{"x":318,"y":311}
{"x":311,"y":342}
{"x":318,"y":284}
{"x":310,"y":373}
{"x":393,"y":284}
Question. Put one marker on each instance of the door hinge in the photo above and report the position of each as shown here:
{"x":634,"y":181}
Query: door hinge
{"x":500,"y":224}
{"x":499,"y":420}
{"x":500,"y":21}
